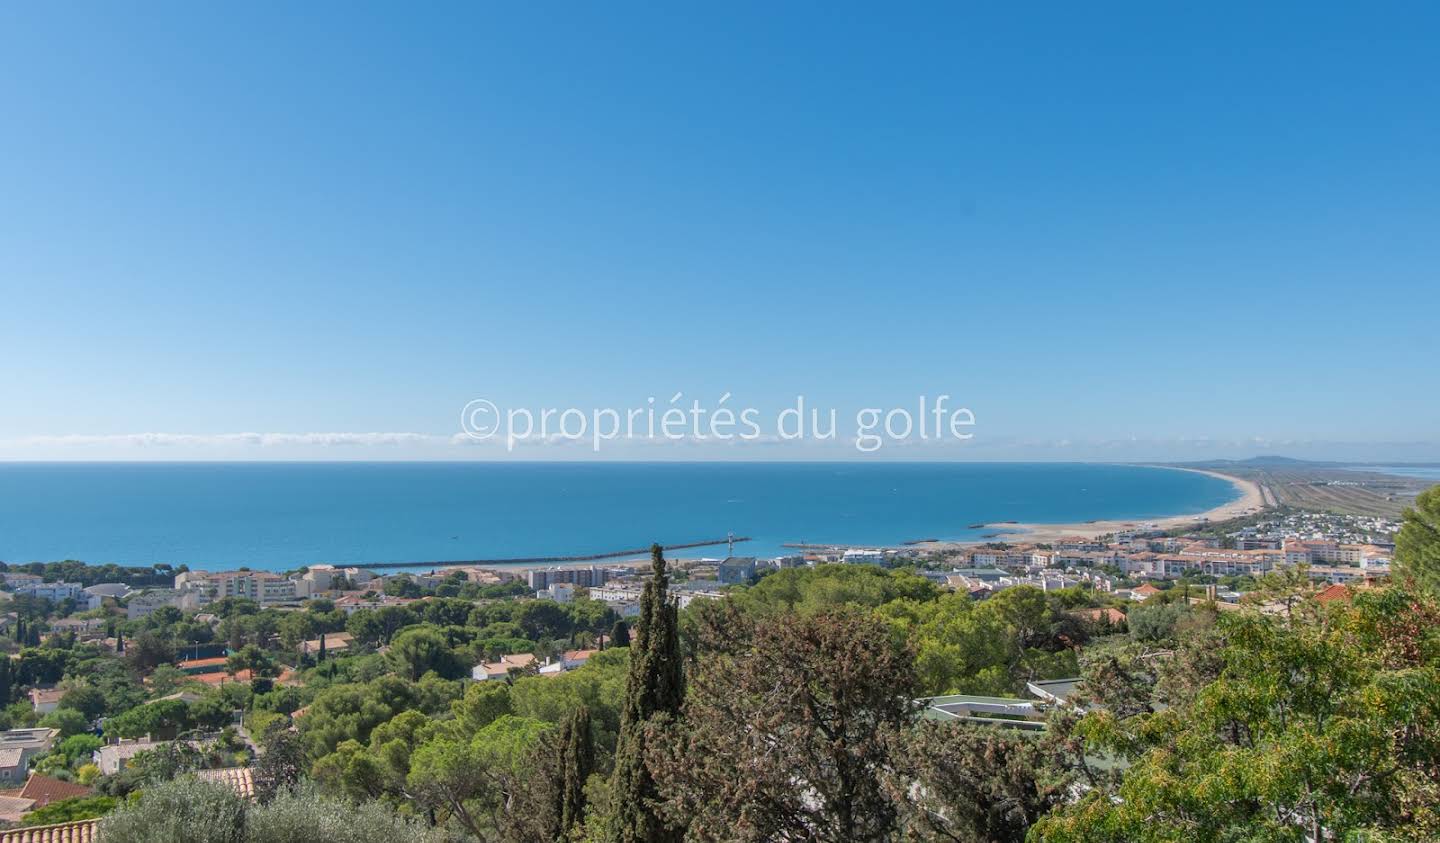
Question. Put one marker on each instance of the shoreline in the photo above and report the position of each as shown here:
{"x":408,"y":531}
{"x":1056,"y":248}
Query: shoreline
{"x":1250,"y":501}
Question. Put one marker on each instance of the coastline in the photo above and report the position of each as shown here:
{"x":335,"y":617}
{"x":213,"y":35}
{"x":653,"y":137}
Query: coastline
{"x":1250,"y":501}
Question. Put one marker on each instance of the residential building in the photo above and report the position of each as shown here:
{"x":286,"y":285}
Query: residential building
{"x":18,"y":746}
{"x":501,"y":669}
{"x":540,"y":578}
{"x":263,"y":587}
{"x":736,"y":570}
{"x":617,"y":592}
{"x":97,"y":595}
{"x":145,"y":603}
{"x":15,"y":579}
{"x":572,"y":659}
{"x":560,"y":592}
{"x":113,"y":757}
{"x":45,"y":700}
{"x":354,"y":601}
{"x":862,"y":556}
{"x":42,"y":790}
{"x":55,"y":591}
{"x":81,"y":627}
{"x":335,"y":642}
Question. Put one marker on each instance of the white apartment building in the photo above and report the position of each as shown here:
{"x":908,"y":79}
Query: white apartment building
{"x":263,"y":587}
{"x":55,"y":591}
{"x":560,"y":592}
{"x":862,"y":556}
{"x":146,"y":602}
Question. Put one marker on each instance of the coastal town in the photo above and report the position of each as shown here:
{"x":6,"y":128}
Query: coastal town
{"x":227,"y":657}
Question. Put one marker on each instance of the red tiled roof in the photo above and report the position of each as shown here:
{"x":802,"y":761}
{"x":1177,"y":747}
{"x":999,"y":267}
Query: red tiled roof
{"x":40,"y":696}
{"x":83,"y":831}
{"x":239,"y":779}
{"x":1334,"y":592}
{"x":44,"y":790}
{"x":1114,"y":616}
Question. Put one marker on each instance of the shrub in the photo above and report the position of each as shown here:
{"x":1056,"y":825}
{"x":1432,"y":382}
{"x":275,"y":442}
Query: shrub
{"x":304,"y":816}
{"x":185,"y":810}
{"x":188,"y":810}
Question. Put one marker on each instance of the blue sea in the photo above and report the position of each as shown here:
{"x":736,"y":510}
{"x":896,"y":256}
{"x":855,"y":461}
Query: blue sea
{"x":283,"y":515}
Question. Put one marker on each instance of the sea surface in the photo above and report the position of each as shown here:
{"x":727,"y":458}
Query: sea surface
{"x":283,"y":515}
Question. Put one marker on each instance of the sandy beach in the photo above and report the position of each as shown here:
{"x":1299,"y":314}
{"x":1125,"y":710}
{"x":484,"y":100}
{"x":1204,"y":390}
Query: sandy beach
{"x":1251,"y":500}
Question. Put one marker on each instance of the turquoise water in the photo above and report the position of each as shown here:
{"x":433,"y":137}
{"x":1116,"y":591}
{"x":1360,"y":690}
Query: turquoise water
{"x":283,"y":515}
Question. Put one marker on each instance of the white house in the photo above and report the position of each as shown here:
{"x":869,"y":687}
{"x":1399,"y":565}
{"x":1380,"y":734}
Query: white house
{"x":560,"y":592}
{"x":112,"y":758}
{"x":146,"y":602}
{"x":45,"y":700}
{"x":96,"y":595}
{"x":501,"y":669}
{"x":17,"y":747}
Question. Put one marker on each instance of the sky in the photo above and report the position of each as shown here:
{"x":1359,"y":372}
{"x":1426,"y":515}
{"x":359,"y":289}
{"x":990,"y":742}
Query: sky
{"x":1128,"y":231}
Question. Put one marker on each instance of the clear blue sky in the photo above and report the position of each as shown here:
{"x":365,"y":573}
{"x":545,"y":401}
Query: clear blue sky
{"x":1129,"y":231}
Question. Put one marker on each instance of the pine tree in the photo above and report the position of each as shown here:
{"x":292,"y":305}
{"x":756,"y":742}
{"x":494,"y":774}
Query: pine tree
{"x":577,"y":761}
{"x":655,"y":686}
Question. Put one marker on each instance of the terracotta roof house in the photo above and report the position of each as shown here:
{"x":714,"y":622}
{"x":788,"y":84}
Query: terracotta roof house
{"x":83,"y":831}
{"x":44,"y":790}
{"x":501,"y":669}
{"x":46,"y":700}
{"x":1145,"y":590}
{"x":1113,"y":616}
{"x":576,"y":658}
{"x":1333,"y":593}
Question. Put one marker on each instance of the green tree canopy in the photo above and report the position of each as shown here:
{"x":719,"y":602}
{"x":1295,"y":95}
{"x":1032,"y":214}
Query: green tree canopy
{"x":1417,"y":546}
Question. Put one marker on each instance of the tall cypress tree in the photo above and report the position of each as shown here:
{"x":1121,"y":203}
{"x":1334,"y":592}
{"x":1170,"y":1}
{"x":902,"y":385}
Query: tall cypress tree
{"x":577,"y":761}
{"x":655,"y":685}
